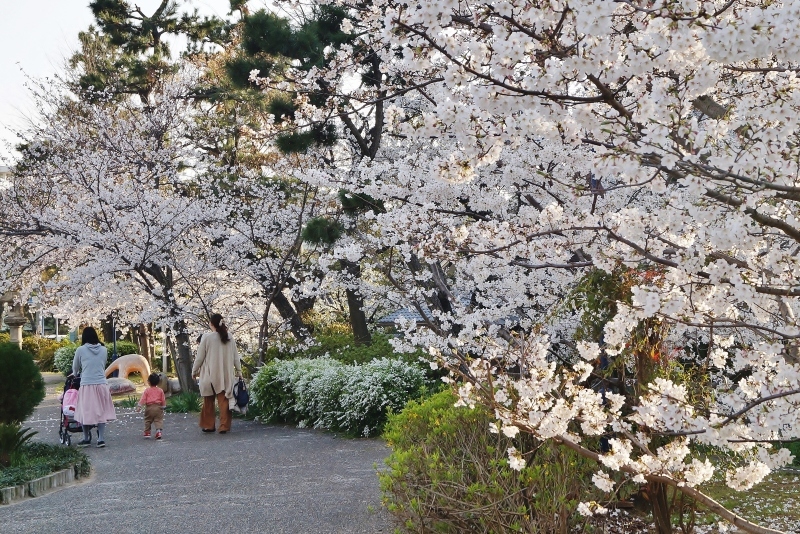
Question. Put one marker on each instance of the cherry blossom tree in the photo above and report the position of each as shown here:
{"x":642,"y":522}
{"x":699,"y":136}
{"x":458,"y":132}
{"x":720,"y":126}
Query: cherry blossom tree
{"x":112,"y":199}
{"x":562,"y":142}
{"x":262,"y":242}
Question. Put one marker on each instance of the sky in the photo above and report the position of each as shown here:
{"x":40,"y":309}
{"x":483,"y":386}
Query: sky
{"x":36,"y":39}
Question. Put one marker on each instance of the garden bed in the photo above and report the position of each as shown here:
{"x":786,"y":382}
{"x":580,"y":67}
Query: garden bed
{"x":38,"y":467}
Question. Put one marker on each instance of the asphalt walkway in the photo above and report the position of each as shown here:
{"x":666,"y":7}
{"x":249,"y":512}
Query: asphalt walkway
{"x":257,"y":478}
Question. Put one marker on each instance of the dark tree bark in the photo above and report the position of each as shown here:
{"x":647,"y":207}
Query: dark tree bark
{"x":143,"y":341}
{"x":440,"y":299}
{"x":183,"y":358}
{"x":296,"y":324}
{"x":303,"y":305}
{"x":107,"y":329}
{"x":355,"y":305}
{"x":661,"y":510}
{"x":181,"y":352}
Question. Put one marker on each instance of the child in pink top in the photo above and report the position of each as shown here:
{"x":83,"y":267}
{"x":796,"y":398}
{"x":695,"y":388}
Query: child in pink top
{"x":154,"y":403}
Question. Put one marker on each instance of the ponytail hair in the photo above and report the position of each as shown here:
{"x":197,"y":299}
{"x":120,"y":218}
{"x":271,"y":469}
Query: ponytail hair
{"x":222,"y":328}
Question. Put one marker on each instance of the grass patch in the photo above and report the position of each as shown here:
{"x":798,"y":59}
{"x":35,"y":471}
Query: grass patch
{"x":36,"y":460}
{"x":772,"y":502}
{"x":188,"y":402}
{"x":137,"y":379}
{"x":129,"y":402}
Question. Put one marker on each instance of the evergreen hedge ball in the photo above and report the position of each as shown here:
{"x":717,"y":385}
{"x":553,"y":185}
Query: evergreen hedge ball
{"x":23,"y":385}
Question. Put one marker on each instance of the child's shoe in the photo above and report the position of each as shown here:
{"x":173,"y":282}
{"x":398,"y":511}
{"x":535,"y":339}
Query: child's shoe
{"x":158,"y":434}
{"x":147,"y":434}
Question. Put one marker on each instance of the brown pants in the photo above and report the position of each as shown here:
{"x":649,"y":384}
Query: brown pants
{"x":208,"y":419}
{"x":153,"y":414}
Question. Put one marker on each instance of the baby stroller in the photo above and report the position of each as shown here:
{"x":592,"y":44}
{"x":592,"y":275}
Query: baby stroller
{"x":69,"y":399}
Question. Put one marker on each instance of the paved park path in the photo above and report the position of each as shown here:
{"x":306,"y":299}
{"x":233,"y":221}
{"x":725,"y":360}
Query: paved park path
{"x":257,"y":478}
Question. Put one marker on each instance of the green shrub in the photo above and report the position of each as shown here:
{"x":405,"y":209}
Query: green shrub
{"x":380,"y":348}
{"x":186,"y":402}
{"x":43,"y":350}
{"x":794,"y":448}
{"x":339,"y":346}
{"x":448,"y":473}
{"x":156,"y":364}
{"x":316,"y":387}
{"x":283,"y":391}
{"x":12,"y":438}
{"x":5,"y":337}
{"x":328,"y":394}
{"x":23,"y":386}
{"x":46,"y":355}
{"x":34,"y":460}
{"x":62,"y":359}
{"x":267,"y":395}
{"x":124,"y":347}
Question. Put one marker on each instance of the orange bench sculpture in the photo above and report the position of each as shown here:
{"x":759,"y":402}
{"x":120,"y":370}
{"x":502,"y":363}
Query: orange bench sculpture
{"x":130,"y":363}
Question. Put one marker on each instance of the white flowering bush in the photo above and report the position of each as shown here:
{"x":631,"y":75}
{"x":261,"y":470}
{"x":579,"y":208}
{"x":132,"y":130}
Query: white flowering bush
{"x":325,"y":393}
{"x":316,"y":387}
{"x":372,"y":389}
{"x":62,"y":360}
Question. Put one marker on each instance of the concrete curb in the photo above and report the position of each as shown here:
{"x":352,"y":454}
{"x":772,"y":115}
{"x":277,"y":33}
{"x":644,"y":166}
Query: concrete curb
{"x":38,"y":486}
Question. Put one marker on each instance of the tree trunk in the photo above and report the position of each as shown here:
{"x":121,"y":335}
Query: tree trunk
{"x":183,"y":358}
{"x":439,"y":299}
{"x":107,"y":329}
{"x":661,"y":511}
{"x":299,"y":329}
{"x":171,"y":354}
{"x":355,"y":305}
{"x":303,"y":304}
{"x":143,"y":341}
{"x":792,"y":353}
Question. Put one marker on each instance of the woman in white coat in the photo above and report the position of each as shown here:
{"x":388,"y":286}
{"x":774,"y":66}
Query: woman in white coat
{"x":217,"y":366}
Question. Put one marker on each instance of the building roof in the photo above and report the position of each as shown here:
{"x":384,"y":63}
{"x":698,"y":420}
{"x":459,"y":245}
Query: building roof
{"x":405,"y":313}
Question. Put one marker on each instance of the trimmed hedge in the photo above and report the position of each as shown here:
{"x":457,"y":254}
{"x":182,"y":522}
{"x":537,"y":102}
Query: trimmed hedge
{"x":325,"y":393}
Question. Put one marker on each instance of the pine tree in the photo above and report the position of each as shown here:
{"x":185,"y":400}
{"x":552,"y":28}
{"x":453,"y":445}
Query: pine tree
{"x":272,"y":45}
{"x":127,"y":53}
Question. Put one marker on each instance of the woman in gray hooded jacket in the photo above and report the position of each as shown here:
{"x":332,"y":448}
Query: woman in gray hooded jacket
{"x":94,"y":406}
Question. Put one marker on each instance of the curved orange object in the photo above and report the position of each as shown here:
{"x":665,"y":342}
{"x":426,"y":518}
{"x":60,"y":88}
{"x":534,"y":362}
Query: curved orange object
{"x":130,"y":363}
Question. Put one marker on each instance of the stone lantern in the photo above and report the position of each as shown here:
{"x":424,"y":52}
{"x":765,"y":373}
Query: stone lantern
{"x":15,"y":318}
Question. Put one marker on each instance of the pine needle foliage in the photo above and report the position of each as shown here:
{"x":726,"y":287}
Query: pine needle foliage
{"x":357,"y":203}
{"x":321,"y":230}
